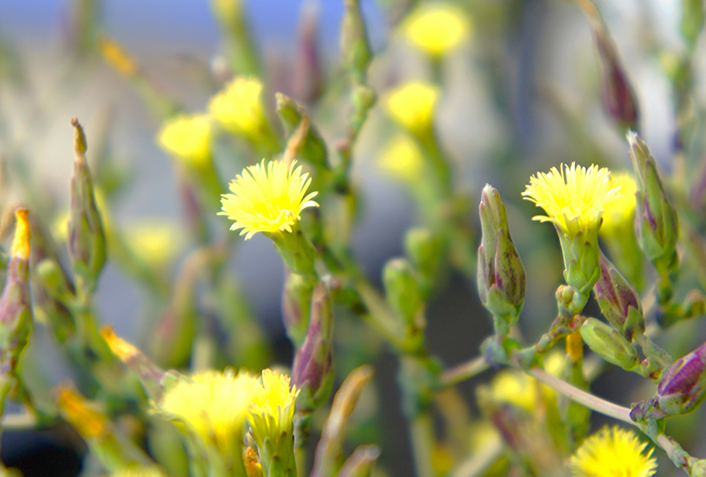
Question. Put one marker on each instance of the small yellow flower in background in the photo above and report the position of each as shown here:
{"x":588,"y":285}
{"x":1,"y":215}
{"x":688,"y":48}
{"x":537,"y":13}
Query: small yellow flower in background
{"x":412,"y":105}
{"x":239,"y":107}
{"x":155,"y":242}
{"x":613,"y":452}
{"x":437,"y":28}
{"x":272,"y":412}
{"x":117,"y":57}
{"x":573,"y":197}
{"x":516,"y":388}
{"x":188,"y":137}
{"x":77,"y":411}
{"x":622,"y":210}
{"x":139,"y":472}
{"x":267,"y":197}
{"x":213,"y":405}
{"x":402,"y":159}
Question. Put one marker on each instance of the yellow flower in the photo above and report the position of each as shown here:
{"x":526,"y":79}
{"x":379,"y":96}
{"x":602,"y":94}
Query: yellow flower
{"x":402,"y":159}
{"x":239,"y":108}
{"x":516,"y":388}
{"x":622,"y":210}
{"x":20,"y":242}
{"x":188,"y":137}
{"x":437,"y":28}
{"x":272,"y":412}
{"x":412,"y":105}
{"x":152,"y":471}
{"x":154,"y":241}
{"x":573,"y":197}
{"x":213,"y":406}
{"x":267,"y":198}
{"x":613,"y":452}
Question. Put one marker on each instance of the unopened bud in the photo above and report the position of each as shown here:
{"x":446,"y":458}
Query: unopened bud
{"x":609,"y":344}
{"x":402,"y":293}
{"x":87,"y":244}
{"x":501,"y":276}
{"x":51,"y":277}
{"x":313,"y":371}
{"x":306,"y":74}
{"x":425,"y":250}
{"x":656,"y":221}
{"x":618,"y":300}
{"x":683,"y":385}
{"x":355,"y":49}
{"x":293,"y":116}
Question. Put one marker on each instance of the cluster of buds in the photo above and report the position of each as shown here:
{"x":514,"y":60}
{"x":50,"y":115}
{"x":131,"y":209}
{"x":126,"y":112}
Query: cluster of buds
{"x":501,"y":276}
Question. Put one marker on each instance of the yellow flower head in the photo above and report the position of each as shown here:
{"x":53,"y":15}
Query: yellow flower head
{"x":188,"y":138}
{"x":239,"y":107}
{"x":267,"y":198}
{"x":152,"y":471}
{"x":437,"y":28}
{"x":272,"y":412}
{"x":155,"y":242}
{"x":613,"y":452}
{"x":412,"y":105}
{"x":573,"y":197}
{"x":622,"y":210}
{"x":516,"y":388}
{"x":20,"y":243}
{"x":402,"y":159}
{"x":213,"y":406}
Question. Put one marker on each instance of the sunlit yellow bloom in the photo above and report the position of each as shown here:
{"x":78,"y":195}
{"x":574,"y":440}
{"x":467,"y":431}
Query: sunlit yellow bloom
{"x":267,"y":197}
{"x":613,"y":452}
{"x":188,"y":137}
{"x":155,"y":242}
{"x":573,"y":197}
{"x":412,"y":105}
{"x":513,"y":387}
{"x":213,"y":406}
{"x":239,"y":107}
{"x":622,"y":210}
{"x":402,"y":159}
{"x":75,"y":409}
{"x":139,"y":472}
{"x":272,"y":412}
{"x":437,"y":28}
{"x":20,"y":243}
{"x":117,"y":57}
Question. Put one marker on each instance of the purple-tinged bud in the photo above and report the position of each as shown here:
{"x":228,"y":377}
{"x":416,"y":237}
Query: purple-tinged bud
{"x":16,"y":303}
{"x":501,"y":276}
{"x":306,"y":74}
{"x":312,"y":371}
{"x":656,"y":221}
{"x":87,"y":243}
{"x":618,"y":300}
{"x":683,"y":385}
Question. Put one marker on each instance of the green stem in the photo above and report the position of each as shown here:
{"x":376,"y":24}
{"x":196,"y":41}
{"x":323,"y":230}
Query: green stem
{"x":463,"y":371}
{"x":422,"y":434}
{"x":479,"y":462}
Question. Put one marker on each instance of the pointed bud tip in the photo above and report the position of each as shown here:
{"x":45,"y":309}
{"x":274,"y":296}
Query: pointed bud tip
{"x":80,"y":145}
{"x":20,"y":244}
{"x":120,"y":348}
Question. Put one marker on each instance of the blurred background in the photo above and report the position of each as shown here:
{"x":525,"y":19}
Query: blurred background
{"x":520,"y":94}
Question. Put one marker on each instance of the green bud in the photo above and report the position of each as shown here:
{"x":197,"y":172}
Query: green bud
{"x":295,"y":120}
{"x":52,"y":278}
{"x":425,"y":250}
{"x":313,"y":371}
{"x":581,"y":262}
{"x":355,"y":50}
{"x":656,"y":221}
{"x":87,"y":244}
{"x":501,"y":276}
{"x":296,"y":304}
{"x":609,"y":344}
{"x":618,"y":301}
{"x":403,"y":295}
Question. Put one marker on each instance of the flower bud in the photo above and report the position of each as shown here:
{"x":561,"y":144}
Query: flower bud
{"x":306,"y":72}
{"x":609,"y":344}
{"x":293,"y":116}
{"x":656,"y":220}
{"x":683,"y":385}
{"x":402,"y":293}
{"x":618,"y":300}
{"x":355,"y":49}
{"x":501,"y":276}
{"x":87,"y":244}
{"x":425,"y":250}
{"x":312,"y":371}
{"x":16,"y":302}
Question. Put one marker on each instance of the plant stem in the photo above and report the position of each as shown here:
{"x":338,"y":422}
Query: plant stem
{"x":580,"y":396}
{"x":480,"y":460}
{"x":422,"y":435}
{"x":463,"y":371}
